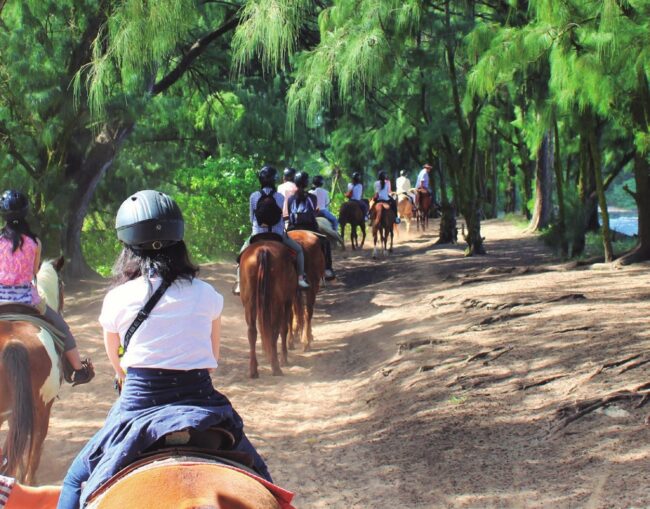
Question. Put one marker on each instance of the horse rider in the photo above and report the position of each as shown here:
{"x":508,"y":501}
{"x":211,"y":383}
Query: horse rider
{"x":382,"y":193}
{"x":162,"y":337}
{"x":20,"y":259}
{"x":302,"y":216}
{"x":403,"y":186}
{"x":423,"y":183}
{"x":287,"y":189}
{"x":355,"y":193}
{"x":323,"y":201}
{"x":265,"y":218}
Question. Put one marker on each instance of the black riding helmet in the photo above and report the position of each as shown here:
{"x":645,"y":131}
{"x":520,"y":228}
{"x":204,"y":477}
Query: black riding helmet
{"x":356,"y":177}
{"x":302,"y":179}
{"x":382,"y":175}
{"x":149,"y":220}
{"x":13,"y":205}
{"x":289,"y":174}
{"x":317,"y":181}
{"x":267,"y":176}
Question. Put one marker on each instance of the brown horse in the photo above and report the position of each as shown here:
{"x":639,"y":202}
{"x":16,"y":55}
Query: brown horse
{"x":26,"y":497}
{"x":383,"y":220}
{"x":424,"y":201}
{"x":406,"y":210}
{"x":303,"y":304}
{"x":352,"y":214}
{"x":268,"y":285}
{"x":30,"y":377}
{"x":184,"y":482}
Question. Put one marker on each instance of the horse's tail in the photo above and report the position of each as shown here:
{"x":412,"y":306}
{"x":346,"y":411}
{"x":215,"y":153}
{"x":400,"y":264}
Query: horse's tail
{"x":263,"y":302}
{"x":15,"y":359}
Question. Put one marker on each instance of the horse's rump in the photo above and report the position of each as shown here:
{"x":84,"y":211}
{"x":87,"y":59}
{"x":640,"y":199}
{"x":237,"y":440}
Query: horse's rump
{"x":178,"y":480}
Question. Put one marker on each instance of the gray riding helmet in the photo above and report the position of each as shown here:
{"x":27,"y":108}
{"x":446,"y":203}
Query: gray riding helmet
{"x":149,"y":220}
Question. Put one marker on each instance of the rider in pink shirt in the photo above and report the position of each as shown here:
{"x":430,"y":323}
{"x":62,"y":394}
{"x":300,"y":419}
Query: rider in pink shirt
{"x":20,"y":259}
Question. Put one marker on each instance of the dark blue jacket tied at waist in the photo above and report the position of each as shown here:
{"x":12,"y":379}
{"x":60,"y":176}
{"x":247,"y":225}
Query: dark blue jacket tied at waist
{"x":153,"y":403}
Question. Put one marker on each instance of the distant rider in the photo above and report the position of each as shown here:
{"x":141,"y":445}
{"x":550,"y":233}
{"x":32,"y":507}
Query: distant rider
{"x":382,"y":193}
{"x":355,"y":193}
{"x":423,"y":183}
{"x":259,"y":207}
{"x":302,"y":216}
{"x":403,"y":186}
{"x":323,"y":201}
{"x":287,"y":189}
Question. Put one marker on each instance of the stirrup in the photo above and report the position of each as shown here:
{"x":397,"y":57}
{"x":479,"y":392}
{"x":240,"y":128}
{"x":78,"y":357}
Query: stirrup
{"x":85,"y":374}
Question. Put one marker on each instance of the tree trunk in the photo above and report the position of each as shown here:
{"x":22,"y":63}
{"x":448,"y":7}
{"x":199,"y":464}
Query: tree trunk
{"x":600,"y":190}
{"x":98,"y":160}
{"x":561,"y":222}
{"x":543,"y":185}
{"x":511,"y":188}
{"x":448,"y":233}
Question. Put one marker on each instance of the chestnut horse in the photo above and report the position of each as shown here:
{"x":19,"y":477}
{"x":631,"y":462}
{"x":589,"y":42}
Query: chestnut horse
{"x":406,"y":210}
{"x":268,"y":285}
{"x":424,"y":201}
{"x":383,"y":220}
{"x":184,"y":482}
{"x":30,"y":377}
{"x":352,"y":214}
{"x":27,"y":497}
{"x":303,"y":304}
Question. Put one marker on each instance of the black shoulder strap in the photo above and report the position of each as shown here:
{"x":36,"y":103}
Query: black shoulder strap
{"x":143,"y":314}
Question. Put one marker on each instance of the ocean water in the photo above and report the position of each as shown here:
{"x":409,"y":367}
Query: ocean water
{"x":624,"y":221}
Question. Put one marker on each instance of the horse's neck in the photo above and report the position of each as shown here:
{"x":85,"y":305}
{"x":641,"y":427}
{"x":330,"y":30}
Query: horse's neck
{"x":48,"y":285}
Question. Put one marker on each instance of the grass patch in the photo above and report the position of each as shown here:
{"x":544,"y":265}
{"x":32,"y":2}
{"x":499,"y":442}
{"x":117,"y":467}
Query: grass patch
{"x":517,"y":219}
{"x":457,"y":400}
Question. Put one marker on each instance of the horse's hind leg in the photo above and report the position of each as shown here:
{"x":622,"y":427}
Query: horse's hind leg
{"x":275,"y":364}
{"x":251,"y":318}
{"x":284,"y":332}
{"x":41,"y":425}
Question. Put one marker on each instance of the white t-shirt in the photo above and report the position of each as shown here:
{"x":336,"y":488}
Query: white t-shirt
{"x":403,"y":185}
{"x":177,"y":333}
{"x":322,"y":198}
{"x":287,"y":189}
{"x":383,"y":194}
{"x":357,"y":191}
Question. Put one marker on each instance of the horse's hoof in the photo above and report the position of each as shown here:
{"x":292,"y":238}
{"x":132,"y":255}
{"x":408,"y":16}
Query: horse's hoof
{"x":277,"y":372}
{"x":255,"y":375}
{"x":306,"y":348}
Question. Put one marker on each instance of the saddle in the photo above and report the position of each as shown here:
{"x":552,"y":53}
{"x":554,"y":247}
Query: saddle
{"x":264,"y":236}
{"x":176,"y":455}
{"x":15,"y":312}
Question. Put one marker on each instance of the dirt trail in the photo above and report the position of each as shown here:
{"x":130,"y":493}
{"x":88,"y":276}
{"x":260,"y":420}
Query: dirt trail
{"x":434,"y":382}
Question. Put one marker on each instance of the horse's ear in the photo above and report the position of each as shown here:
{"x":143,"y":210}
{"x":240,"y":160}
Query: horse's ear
{"x":58,"y":263}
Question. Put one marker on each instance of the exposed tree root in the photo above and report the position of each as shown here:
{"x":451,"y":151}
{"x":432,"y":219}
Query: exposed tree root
{"x":634,"y":365}
{"x":524,"y":385}
{"x":613,"y":364}
{"x":574,"y":411}
{"x":488,"y":354}
{"x":473,"y":381}
{"x":410,"y":345}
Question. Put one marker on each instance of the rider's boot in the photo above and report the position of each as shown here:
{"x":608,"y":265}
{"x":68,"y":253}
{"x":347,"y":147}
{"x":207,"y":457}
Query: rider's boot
{"x":329,"y":275}
{"x":302,"y":283}
{"x":397,"y":220}
{"x":85,"y":374}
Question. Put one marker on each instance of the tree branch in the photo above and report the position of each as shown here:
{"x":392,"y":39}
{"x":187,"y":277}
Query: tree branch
{"x":194,"y":52}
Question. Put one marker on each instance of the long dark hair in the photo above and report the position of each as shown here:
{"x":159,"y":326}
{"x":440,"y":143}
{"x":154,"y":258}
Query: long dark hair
{"x":14,"y":231}
{"x":170,"y":263}
{"x":382,"y":179}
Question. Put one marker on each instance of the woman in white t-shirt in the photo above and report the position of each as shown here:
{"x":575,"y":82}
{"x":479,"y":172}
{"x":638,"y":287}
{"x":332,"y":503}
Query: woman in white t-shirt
{"x":165,"y":365}
{"x":382,"y":193}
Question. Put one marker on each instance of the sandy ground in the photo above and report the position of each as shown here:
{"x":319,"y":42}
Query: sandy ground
{"x":420,"y":391}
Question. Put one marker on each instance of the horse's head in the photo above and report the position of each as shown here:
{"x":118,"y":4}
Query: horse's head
{"x":50,"y":283}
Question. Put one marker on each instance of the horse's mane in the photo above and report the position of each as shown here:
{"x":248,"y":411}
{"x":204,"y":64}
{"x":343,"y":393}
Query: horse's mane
{"x":48,"y":284}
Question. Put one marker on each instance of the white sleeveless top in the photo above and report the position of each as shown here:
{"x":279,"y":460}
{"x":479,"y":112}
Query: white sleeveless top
{"x":177,"y":334}
{"x":383,"y":194}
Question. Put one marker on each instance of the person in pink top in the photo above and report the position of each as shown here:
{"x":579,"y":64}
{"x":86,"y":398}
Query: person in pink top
{"x":20,"y":259}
